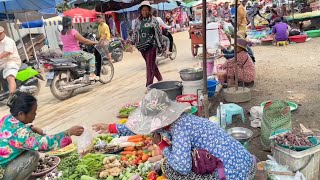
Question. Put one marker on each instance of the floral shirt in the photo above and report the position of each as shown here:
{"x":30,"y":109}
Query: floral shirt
{"x":17,"y":137}
{"x":190,"y":132}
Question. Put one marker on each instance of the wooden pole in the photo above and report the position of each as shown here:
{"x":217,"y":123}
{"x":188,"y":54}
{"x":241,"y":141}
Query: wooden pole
{"x":235,"y":46}
{"x":204,"y":59}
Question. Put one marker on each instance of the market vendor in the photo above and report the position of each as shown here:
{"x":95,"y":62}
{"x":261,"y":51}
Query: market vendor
{"x":246,"y":68}
{"x":178,"y":134}
{"x":280,"y":30}
{"x":21,"y":142}
{"x":254,"y":11}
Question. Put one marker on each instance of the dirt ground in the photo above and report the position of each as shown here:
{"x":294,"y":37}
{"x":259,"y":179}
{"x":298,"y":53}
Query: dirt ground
{"x":288,"y":73}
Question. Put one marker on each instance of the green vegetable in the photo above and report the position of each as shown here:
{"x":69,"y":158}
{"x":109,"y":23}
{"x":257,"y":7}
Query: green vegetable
{"x":85,"y":177}
{"x":110,"y":178}
{"x":126,"y":111}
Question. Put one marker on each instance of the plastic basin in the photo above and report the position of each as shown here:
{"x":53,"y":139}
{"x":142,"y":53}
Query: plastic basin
{"x":187,"y":98}
{"x":298,"y":38}
{"x":172,"y":88}
{"x":313,"y":33}
{"x":212,"y":84}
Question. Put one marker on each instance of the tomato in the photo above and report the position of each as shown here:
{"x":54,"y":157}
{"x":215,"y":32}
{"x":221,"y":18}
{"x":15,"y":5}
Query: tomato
{"x":152,"y":175}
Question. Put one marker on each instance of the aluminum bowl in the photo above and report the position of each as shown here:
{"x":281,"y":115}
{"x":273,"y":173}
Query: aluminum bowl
{"x":240,"y":133}
{"x":191,"y":74}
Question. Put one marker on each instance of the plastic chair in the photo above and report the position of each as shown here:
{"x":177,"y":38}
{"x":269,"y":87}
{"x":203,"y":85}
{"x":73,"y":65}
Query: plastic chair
{"x":233,"y":109}
{"x":281,"y":43}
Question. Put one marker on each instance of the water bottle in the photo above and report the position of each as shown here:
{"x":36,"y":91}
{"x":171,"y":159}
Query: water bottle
{"x":221,"y":114}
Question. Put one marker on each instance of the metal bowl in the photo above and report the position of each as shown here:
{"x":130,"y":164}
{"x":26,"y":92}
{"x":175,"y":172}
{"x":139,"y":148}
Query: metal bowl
{"x":240,"y":133}
{"x":191,"y":74}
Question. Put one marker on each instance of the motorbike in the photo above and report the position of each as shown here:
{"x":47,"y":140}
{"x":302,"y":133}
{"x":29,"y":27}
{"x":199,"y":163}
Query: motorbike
{"x":27,"y":81}
{"x":115,"y":44}
{"x":64,"y":75}
{"x":161,"y":55}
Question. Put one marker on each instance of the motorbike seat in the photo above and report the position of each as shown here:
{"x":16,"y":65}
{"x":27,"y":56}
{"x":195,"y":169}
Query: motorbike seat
{"x":23,"y":67}
{"x":62,"y":60}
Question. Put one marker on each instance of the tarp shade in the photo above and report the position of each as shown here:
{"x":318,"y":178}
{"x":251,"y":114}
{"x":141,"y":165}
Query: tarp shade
{"x":48,"y":11}
{"x":4,"y":16}
{"x":160,"y":6}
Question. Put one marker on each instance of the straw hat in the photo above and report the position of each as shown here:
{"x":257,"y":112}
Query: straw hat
{"x":145,"y":3}
{"x":156,"y":111}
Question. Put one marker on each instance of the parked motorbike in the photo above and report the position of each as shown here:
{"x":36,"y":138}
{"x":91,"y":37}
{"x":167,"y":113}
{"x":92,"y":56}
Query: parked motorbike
{"x":26,"y":80}
{"x":115,"y":44}
{"x":161,"y":55}
{"x":66,"y":75}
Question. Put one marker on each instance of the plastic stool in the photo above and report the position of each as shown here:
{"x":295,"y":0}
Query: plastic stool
{"x":281,"y":43}
{"x":233,"y":109}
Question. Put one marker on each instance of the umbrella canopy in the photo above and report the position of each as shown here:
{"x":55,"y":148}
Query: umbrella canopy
{"x":11,"y":6}
{"x":80,"y":15}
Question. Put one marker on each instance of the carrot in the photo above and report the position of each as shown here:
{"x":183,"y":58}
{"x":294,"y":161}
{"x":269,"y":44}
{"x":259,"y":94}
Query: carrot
{"x":135,"y":137}
{"x":126,"y":152}
{"x":130,"y":148}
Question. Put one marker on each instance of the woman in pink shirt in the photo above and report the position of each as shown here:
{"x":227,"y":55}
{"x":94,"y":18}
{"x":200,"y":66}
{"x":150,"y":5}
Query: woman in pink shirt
{"x":71,"y":47}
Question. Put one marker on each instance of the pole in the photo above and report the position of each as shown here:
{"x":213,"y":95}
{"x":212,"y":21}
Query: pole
{"x":34,"y":51}
{"x":204,"y":59}
{"x":235,"y":45}
{"x":21,"y":41}
{"x":5,"y":9}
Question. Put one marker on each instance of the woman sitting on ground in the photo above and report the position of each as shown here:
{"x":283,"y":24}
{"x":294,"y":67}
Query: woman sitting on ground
{"x":178,"y":134}
{"x":280,"y":30}
{"x":246,"y":69}
{"x":20,"y":142}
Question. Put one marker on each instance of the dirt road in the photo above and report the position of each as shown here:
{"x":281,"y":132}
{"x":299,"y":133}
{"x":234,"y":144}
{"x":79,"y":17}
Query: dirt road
{"x":102,"y":103}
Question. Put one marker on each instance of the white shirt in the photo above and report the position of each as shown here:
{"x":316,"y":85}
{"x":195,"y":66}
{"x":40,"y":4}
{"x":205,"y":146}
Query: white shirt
{"x":162,"y":24}
{"x":58,"y":36}
{"x":8,"y":45}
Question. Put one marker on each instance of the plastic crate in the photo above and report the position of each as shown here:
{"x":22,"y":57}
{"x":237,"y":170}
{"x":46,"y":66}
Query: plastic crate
{"x":307,"y":161}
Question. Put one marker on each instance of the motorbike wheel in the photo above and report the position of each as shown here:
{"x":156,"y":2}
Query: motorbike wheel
{"x":107,"y":72}
{"x":174,"y":52}
{"x":56,"y":83}
{"x":117,"y":54}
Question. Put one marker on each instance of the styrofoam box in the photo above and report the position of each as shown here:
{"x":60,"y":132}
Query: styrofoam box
{"x":295,"y":160}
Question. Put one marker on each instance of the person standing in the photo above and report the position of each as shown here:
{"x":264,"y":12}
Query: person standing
{"x":10,"y":61}
{"x":242,"y":16}
{"x":225,"y":12}
{"x":148,"y":38}
{"x":104,"y":34}
{"x":254,"y":11}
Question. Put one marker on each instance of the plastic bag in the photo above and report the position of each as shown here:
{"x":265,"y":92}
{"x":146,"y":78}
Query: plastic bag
{"x":256,"y":116}
{"x":272,"y":165}
{"x":85,"y":142}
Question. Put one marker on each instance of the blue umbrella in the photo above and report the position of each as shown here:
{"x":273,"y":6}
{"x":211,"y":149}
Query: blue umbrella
{"x":13,"y":6}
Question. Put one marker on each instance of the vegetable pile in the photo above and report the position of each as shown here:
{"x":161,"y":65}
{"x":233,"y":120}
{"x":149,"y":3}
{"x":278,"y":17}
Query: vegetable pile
{"x":44,"y":164}
{"x":53,"y":175}
{"x":126,"y":110}
{"x":113,"y":167}
{"x":291,"y":139}
{"x":68,"y":165}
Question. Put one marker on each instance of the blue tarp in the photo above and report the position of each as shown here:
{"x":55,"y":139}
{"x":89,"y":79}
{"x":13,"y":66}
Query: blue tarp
{"x":33,"y":24}
{"x":160,"y":6}
{"x":4,"y":16}
{"x":27,"y":5}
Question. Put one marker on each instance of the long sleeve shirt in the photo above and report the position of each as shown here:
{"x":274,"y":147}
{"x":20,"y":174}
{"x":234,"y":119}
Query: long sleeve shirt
{"x":162,"y":24}
{"x":242,"y":16}
{"x":190,"y":132}
{"x":17,"y":137}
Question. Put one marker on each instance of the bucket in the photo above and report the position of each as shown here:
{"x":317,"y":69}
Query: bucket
{"x":172,"y":88}
{"x":210,"y":65}
{"x":191,"y":87}
{"x":212,"y":84}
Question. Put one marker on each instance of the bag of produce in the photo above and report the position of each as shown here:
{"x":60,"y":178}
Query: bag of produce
{"x":85,"y":142}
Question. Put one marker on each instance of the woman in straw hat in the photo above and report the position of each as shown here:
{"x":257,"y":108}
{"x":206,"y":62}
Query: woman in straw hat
{"x":161,"y":117}
{"x":246,"y":68}
{"x":147,"y":37}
